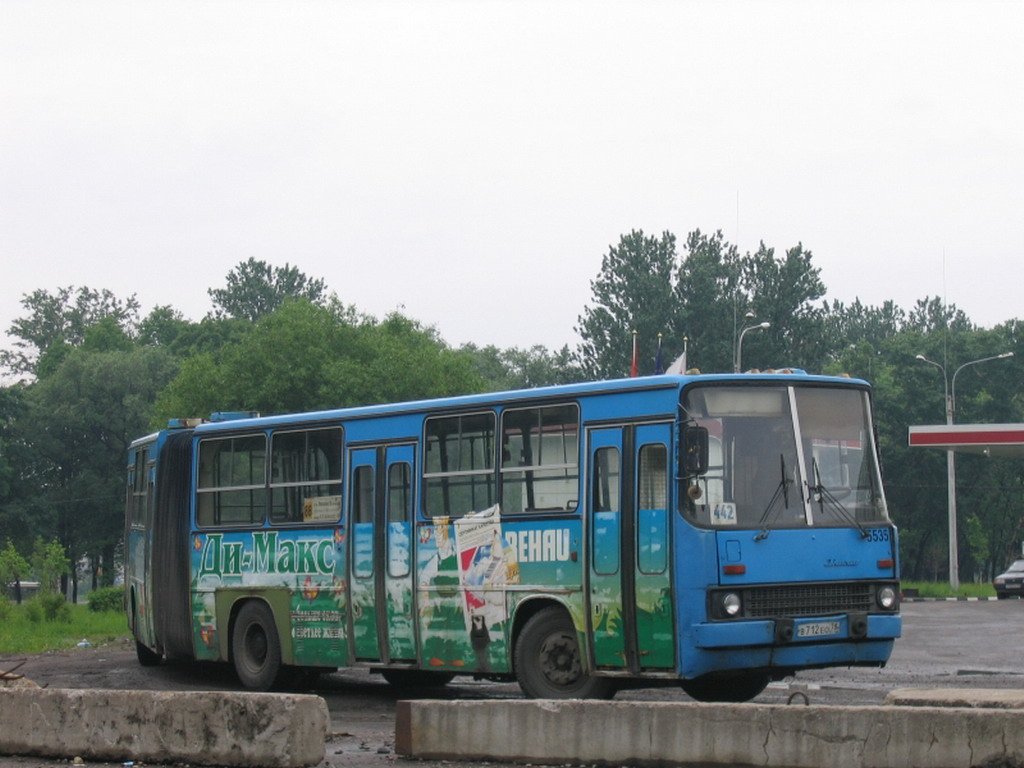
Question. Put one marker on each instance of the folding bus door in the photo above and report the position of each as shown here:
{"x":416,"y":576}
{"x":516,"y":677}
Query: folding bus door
{"x":382,"y":625}
{"x":629,"y":564}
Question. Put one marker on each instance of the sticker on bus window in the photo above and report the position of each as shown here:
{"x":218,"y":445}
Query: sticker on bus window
{"x":723,"y":513}
{"x":321,"y":509}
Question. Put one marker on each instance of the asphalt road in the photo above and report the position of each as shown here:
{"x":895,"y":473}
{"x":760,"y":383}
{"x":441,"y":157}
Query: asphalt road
{"x":945,"y":644}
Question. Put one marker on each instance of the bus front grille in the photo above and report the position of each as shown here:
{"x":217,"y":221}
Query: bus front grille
{"x":808,"y":599}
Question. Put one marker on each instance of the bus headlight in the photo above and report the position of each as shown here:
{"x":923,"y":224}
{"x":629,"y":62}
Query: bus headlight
{"x":731,"y":604}
{"x":887,"y":597}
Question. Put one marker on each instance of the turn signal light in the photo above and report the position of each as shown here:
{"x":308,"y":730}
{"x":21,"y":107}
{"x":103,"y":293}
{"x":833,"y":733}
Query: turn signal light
{"x":734,"y":570}
{"x":886,"y":563}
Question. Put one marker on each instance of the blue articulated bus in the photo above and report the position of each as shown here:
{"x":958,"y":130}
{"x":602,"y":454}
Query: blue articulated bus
{"x":715,"y":531}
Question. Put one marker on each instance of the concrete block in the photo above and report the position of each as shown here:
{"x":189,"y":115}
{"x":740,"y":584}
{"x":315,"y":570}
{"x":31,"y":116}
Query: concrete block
{"x":207,"y":728}
{"x":659,"y":733}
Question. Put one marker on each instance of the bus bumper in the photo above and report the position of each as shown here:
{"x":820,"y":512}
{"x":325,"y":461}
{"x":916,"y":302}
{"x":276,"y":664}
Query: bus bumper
{"x":770,"y":632}
{"x":727,"y":646}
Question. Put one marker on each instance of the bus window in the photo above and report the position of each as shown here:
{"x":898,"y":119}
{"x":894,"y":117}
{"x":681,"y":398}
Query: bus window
{"x":305,"y":476}
{"x":232,"y":479}
{"x":362,"y":495}
{"x":605,"y":495}
{"x":539,"y":465}
{"x":652,"y":516}
{"x":139,"y":488}
{"x":399,"y":493}
{"x":459,"y":476}
{"x":399,"y":516}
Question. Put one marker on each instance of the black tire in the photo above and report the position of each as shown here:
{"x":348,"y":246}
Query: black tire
{"x":1001,"y":595}
{"x":416,"y":678}
{"x":147,"y":657}
{"x":255,"y":647}
{"x":548,"y":660}
{"x":726,"y":688}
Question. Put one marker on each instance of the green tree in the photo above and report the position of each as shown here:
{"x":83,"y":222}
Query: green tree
{"x":632,"y":292}
{"x":50,"y":564}
{"x":783,"y":292}
{"x":78,"y":424}
{"x":59,"y":320}
{"x":19,"y":472}
{"x":307,"y":357}
{"x":256,"y":289}
{"x":709,"y":301}
{"x":515,"y":368}
{"x":705,"y":298}
{"x":13,"y":569}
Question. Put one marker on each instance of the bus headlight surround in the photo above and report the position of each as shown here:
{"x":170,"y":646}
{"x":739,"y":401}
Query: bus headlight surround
{"x":731,"y":604}
{"x":887,"y":597}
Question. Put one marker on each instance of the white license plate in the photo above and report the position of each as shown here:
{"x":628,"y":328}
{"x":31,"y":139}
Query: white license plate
{"x":818,"y":629}
{"x":1014,"y":585}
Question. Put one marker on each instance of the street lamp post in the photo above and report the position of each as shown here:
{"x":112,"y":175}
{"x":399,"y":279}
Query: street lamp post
{"x":949,"y":384}
{"x":739,"y":344}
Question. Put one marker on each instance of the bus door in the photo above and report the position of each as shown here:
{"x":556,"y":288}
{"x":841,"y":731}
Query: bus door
{"x":382,"y":614}
{"x":630,"y":589}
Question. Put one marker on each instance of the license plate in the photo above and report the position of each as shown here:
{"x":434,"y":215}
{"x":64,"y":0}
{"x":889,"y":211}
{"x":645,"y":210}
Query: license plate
{"x":818,"y":629}
{"x":1014,"y":585}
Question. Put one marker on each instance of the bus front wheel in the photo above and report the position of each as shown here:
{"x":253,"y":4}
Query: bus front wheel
{"x":726,"y":688}
{"x":548,"y":660}
{"x":255,"y":647}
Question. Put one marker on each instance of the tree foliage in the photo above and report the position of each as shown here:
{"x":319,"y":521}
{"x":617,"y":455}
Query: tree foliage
{"x":14,"y":568}
{"x":256,"y":289}
{"x":308,"y":357}
{"x":60,"y":320}
{"x":632,"y":292}
{"x":706,"y":297}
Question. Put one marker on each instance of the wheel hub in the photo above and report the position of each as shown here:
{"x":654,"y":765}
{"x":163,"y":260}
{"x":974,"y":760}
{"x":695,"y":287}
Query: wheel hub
{"x":559,"y":659}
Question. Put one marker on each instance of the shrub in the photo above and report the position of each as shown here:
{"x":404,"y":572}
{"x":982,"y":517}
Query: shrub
{"x":51,"y":606}
{"x":5,"y":608}
{"x":33,"y":611}
{"x":106,"y":599}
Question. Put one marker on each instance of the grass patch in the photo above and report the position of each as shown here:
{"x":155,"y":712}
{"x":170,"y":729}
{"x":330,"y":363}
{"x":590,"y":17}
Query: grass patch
{"x":25,"y":628}
{"x":941,"y":589}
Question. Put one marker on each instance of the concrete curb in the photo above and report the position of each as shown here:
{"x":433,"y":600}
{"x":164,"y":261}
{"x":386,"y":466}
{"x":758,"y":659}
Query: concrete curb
{"x":946,"y":599}
{"x":207,"y":728}
{"x":661,"y":733}
{"x":973,"y":698}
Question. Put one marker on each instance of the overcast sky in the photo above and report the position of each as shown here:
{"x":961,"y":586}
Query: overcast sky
{"x":471,"y":162}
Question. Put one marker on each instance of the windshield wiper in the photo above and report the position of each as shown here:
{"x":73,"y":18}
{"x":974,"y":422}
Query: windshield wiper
{"x":781,"y":491}
{"x":827,"y":501}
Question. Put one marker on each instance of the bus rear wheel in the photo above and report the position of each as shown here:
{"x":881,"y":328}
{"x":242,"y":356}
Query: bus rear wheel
{"x":548,"y":660}
{"x":146,"y":657}
{"x":255,"y":647}
{"x":726,"y":688}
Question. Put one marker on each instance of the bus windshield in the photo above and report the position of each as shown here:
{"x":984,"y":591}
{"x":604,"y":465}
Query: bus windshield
{"x":785,"y":457}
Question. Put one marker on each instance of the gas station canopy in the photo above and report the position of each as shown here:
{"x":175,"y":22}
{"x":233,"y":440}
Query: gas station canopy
{"x":987,"y":439}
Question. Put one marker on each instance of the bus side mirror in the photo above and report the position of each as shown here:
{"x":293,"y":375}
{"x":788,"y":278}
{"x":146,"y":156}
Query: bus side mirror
{"x":694,"y":459}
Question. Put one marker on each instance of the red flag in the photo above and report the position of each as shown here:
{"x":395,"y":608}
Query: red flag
{"x":634,"y":369}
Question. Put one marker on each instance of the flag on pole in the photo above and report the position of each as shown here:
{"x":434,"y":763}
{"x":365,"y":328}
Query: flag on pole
{"x":658,"y":365}
{"x":679,"y":364}
{"x":634,"y":369}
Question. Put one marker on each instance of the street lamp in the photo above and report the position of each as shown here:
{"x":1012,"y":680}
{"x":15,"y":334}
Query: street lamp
{"x":950,"y":398}
{"x":739,"y":344}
